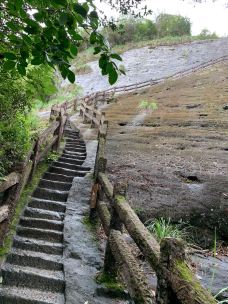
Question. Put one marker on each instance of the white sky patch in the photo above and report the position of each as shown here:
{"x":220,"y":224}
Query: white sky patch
{"x":212,"y":15}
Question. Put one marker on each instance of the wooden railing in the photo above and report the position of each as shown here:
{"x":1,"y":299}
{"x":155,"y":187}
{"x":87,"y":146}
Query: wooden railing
{"x":176,"y":281}
{"x":13,"y":184}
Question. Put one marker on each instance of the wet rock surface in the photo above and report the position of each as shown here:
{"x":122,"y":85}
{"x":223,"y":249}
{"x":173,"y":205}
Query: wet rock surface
{"x":159,"y":62}
{"x":213,"y":273}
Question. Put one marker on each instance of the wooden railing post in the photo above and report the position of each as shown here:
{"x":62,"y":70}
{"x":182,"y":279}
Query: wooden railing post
{"x":96,"y":190}
{"x":59,"y":130}
{"x":94,"y":115}
{"x":35,"y":157}
{"x":75,"y":105}
{"x":115,"y":224}
{"x":176,"y":280}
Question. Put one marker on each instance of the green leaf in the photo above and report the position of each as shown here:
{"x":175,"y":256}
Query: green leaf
{"x":21,"y":69}
{"x":10,"y":56}
{"x":76,"y":36}
{"x":13,"y":26}
{"x":97,"y":50}
{"x":116,"y":56}
{"x":93,"y":38}
{"x":94,"y":14}
{"x":37,"y":61}
{"x":80,"y":10}
{"x":74,"y":50}
{"x":71,"y":76}
{"x":60,"y":2}
{"x":63,"y":19}
{"x":9,"y":65}
{"x":103,"y":61}
{"x":113,"y":76}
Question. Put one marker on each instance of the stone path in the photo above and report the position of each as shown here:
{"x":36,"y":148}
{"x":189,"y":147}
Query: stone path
{"x":33,"y":272}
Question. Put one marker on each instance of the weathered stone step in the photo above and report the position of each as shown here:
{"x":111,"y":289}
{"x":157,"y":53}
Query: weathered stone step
{"x":75,"y":145}
{"x":76,"y":154}
{"x":44,"y":214}
{"x":54,"y":185}
{"x":67,"y":165}
{"x":41,"y":234}
{"x":74,"y":173}
{"x":47,"y":204}
{"x":58,"y":177}
{"x":31,"y":258}
{"x":41,"y":223}
{"x":74,"y":157}
{"x":17,"y":295}
{"x":71,"y":161}
{"x":75,"y":150}
{"x":37,"y":245}
{"x":49,"y":194}
{"x":21,"y":276}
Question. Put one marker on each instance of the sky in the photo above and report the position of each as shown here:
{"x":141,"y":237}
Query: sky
{"x":212,"y":15}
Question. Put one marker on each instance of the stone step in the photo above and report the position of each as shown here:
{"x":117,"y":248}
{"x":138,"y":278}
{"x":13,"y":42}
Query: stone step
{"x":41,"y":223}
{"x":75,"y":145}
{"x":54,"y":185}
{"x":44,"y":214}
{"x":39,"y":259}
{"x":74,"y":157}
{"x":58,"y":177}
{"x":18,"y":295}
{"x":67,"y":165}
{"x":68,"y":172}
{"x":30,"y":277}
{"x":49,"y":194}
{"x":75,"y":150}
{"x":41,"y":234}
{"x":76,"y":154}
{"x":47,"y":205}
{"x":70,"y":161}
{"x":37,"y":245}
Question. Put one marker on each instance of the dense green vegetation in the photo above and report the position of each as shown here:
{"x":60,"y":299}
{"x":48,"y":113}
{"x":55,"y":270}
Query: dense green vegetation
{"x":130,"y":29}
{"x":17,"y":122}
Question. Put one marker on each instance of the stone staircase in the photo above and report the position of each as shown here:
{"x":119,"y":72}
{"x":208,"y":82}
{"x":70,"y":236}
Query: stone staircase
{"x":33,"y":270}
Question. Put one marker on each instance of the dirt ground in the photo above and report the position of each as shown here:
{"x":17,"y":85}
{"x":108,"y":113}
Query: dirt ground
{"x":175,"y":158}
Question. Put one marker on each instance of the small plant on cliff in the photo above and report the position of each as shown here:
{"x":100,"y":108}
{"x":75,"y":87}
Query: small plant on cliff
{"x":163,"y":228}
{"x":148,"y":105}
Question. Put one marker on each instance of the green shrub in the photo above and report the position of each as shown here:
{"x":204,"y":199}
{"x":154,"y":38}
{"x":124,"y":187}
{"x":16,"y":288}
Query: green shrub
{"x":206,"y":34}
{"x":173,"y":25}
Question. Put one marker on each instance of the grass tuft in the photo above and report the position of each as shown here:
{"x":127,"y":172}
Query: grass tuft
{"x":162,"y":228}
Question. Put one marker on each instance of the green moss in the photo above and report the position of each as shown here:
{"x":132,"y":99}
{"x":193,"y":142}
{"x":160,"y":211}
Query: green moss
{"x":41,"y":168}
{"x":120,"y":198}
{"x":187,"y":276}
{"x":110,"y":281}
{"x":91,"y":225}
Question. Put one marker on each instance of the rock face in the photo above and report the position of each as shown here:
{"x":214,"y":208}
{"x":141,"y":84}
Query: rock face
{"x":157,"y":63}
{"x":212,"y":272}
